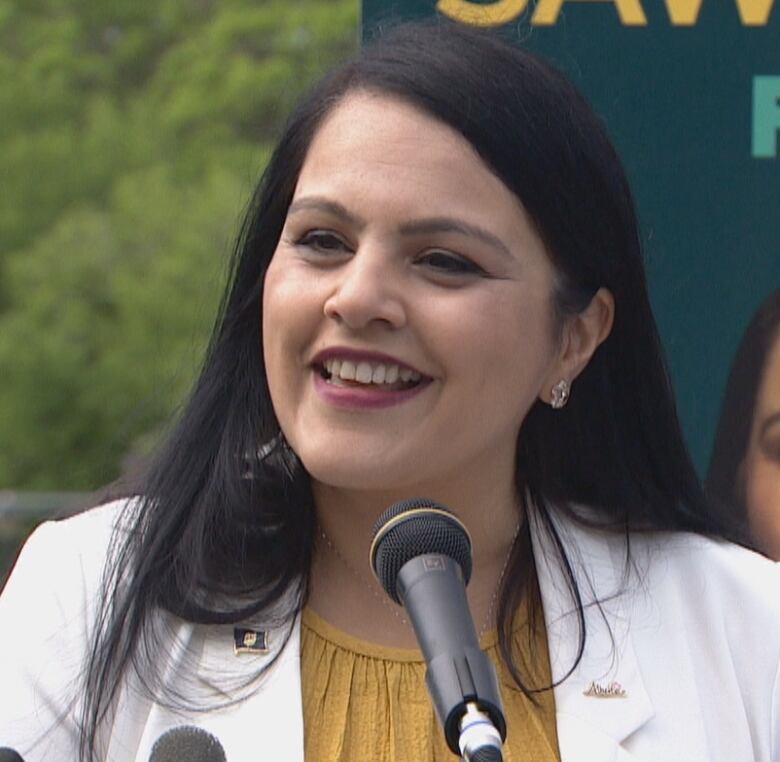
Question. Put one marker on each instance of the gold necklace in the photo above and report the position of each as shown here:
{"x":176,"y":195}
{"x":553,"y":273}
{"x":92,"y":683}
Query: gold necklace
{"x":488,"y":618}
{"x":381,"y":596}
{"x":395,"y":609}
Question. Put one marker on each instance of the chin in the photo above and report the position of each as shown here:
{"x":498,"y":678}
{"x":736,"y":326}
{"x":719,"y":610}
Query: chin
{"x":349,"y":473}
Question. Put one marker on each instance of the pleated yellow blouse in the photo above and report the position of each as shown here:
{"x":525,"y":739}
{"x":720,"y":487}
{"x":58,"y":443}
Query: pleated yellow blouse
{"x":367,"y":702}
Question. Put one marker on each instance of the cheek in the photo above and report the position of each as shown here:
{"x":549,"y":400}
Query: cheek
{"x":762,"y":491}
{"x":503,"y":359}
{"x":516,"y":348}
{"x":268,"y":316}
{"x":284,"y":311}
{"x":270,"y":338}
{"x":279,"y":330}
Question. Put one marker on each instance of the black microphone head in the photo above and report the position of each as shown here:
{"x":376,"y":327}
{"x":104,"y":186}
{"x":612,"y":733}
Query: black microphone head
{"x":9,"y":755}
{"x":187,"y":743}
{"x":412,"y":528}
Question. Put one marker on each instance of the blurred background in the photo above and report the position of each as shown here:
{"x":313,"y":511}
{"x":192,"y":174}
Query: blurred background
{"x":132,"y":134}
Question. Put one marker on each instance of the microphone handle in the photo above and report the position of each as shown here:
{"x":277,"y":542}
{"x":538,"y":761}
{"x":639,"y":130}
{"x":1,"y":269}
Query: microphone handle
{"x":458,"y":673}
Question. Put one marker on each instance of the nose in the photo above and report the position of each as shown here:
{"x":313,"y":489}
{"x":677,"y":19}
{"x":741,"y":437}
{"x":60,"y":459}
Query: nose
{"x":367,"y":291}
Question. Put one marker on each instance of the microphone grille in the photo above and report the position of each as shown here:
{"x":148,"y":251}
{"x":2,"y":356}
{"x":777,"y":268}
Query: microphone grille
{"x":412,"y":528}
{"x":187,"y":742}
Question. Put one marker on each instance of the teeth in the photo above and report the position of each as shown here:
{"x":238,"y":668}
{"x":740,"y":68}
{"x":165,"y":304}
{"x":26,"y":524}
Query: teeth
{"x":370,"y":373}
{"x":364,"y":373}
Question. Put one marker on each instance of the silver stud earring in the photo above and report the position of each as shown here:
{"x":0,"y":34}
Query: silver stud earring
{"x":559,"y":394}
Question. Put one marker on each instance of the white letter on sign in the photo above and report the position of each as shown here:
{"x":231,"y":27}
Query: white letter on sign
{"x":766,"y":116}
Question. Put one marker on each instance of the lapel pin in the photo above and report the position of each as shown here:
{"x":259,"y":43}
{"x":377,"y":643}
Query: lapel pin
{"x":613,"y":690}
{"x":247,"y":641}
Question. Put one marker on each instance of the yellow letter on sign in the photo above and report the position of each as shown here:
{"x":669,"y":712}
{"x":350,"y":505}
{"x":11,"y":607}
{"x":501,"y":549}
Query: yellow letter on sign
{"x":751,"y":12}
{"x":630,"y":11}
{"x":476,"y":14}
{"x":683,"y":12}
{"x":754,"y":12}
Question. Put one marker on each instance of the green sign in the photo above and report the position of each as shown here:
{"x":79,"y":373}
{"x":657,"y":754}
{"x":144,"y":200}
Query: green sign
{"x":690,"y":93}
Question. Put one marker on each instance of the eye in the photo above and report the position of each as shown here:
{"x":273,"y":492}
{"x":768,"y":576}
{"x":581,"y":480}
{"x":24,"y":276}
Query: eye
{"x":770,"y":444}
{"x":447,"y":263}
{"x":322,"y":241}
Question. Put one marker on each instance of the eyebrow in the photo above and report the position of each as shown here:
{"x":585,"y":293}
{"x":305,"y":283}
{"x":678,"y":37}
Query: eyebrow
{"x":450,"y":225}
{"x":321,"y":204}
{"x":417,"y":227}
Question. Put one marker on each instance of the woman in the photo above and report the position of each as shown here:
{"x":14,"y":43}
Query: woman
{"x":438,"y":292}
{"x":744,"y":472}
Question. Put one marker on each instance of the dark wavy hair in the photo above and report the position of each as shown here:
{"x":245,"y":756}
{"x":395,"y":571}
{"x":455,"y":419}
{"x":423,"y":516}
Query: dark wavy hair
{"x":223,"y":518}
{"x":723,"y":484}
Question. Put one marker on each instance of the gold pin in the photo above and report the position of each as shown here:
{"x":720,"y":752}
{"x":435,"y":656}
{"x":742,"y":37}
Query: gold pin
{"x":613,"y":690}
{"x":247,"y":641}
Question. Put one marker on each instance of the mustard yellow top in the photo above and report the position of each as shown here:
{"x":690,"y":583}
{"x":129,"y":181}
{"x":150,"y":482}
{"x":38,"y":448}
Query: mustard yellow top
{"x":367,"y":702}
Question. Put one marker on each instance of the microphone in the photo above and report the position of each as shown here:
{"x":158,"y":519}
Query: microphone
{"x":421,"y":555}
{"x":185,"y":742}
{"x":9,"y":755}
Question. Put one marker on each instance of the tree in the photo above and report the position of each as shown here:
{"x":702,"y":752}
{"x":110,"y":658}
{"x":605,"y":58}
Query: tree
{"x":133,"y":135}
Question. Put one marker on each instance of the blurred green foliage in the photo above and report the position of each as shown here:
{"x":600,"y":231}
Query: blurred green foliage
{"x":132,"y":133}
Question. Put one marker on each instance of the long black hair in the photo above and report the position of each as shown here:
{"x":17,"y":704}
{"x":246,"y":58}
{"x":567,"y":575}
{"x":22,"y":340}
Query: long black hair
{"x":227,"y":515}
{"x":723,"y":483}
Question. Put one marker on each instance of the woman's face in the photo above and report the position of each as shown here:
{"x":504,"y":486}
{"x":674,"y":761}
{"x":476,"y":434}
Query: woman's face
{"x":761,"y":468}
{"x":407,"y":312}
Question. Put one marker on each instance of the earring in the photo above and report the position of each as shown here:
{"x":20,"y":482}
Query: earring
{"x":559,"y":394}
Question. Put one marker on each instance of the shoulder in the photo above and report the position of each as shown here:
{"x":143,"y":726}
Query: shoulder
{"x":710,"y":569}
{"x":87,"y":527}
{"x":686,"y":587}
{"x":679,"y":578}
{"x":695,"y":564}
{"x":65,"y":559}
{"x":47,"y":622}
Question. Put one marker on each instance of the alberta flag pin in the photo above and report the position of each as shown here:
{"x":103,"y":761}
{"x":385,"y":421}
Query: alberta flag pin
{"x":247,"y":641}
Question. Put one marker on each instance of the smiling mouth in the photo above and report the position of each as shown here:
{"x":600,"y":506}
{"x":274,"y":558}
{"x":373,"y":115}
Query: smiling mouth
{"x":379,"y":376}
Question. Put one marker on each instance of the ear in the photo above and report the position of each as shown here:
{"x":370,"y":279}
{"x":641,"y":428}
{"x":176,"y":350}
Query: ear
{"x":580,"y":337}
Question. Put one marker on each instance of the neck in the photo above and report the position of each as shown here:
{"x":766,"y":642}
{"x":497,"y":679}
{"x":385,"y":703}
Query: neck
{"x":343,"y":590}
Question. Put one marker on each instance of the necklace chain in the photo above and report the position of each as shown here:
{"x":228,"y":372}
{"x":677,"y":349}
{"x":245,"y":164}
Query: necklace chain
{"x":489,"y":617}
{"x":395,"y":609}
{"x":380,"y":596}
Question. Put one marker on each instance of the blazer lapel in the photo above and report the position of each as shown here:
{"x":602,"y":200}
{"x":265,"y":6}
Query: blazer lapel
{"x":203,"y":665}
{"x":603,"y":700}
{"x":270,"y":720}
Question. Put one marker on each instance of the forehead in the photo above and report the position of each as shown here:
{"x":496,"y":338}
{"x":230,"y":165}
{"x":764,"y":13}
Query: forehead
{"x":378,"y":148}
{"x":375,"y":121}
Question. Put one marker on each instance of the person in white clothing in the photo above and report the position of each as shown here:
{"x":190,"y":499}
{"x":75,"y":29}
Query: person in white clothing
{"x":438,"y":292}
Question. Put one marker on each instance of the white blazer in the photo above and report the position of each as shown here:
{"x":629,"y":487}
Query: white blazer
{"x":680,"y":663}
